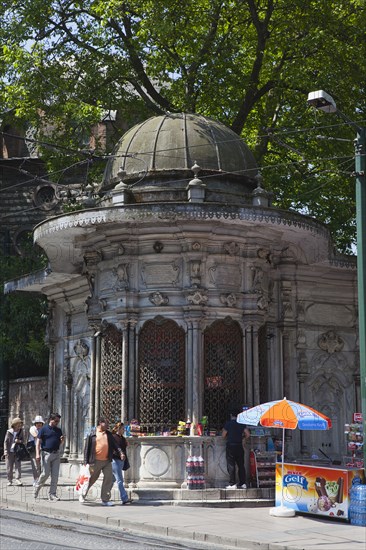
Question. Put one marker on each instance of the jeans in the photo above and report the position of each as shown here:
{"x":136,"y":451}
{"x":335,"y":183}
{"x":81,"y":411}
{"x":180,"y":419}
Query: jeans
{"x":117,"y":465}
{"x":50,"y":465}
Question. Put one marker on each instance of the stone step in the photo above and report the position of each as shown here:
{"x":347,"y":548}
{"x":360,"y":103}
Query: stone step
{"x":201,"y":494}
{"x":228,"y":503}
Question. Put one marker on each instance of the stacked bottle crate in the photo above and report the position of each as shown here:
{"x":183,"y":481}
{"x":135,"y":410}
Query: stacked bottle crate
{"x":195,"y":472}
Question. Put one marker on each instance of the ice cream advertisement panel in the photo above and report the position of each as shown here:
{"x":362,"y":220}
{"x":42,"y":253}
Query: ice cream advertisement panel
{"x":314,"y":490}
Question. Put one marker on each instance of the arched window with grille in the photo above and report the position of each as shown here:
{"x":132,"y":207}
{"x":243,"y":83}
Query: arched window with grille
{"x":161,"y":360}
{"x":223,"y":371}
{"x":111,"y":374}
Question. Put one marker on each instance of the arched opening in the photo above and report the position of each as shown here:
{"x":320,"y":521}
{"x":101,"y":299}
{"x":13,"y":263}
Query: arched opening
{"x":111,"y":374}
{"x":223,"y":371}
{"x":161,"y":361}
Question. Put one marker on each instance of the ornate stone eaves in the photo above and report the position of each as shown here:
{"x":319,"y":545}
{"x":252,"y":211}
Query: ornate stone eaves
{"x":95,"y":217}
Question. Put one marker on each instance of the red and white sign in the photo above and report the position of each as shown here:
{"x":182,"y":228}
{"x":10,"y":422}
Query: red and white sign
{"x":357,"y":418}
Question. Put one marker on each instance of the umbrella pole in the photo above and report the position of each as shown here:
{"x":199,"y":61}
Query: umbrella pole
{"x":283,"y":463}
{"x":282,"y":510}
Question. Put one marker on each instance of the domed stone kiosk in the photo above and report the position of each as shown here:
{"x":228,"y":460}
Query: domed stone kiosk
{"x":184,"y":294}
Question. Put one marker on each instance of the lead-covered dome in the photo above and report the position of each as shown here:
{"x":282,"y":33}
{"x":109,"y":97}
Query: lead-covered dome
{"x":158,"y":154}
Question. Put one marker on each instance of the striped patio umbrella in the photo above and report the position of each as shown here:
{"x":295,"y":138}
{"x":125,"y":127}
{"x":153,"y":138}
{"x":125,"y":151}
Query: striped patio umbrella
{"x":287,"y":415}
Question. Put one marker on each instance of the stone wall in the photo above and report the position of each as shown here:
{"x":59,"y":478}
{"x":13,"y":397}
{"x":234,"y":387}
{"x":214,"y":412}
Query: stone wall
{"x":28,"y":398}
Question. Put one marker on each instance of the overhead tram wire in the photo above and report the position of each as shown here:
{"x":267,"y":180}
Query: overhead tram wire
{"x":90,"y":154}
{"x":269,"y":134}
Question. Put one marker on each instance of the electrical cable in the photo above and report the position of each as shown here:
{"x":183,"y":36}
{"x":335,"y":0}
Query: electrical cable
{"x":271,"y":133}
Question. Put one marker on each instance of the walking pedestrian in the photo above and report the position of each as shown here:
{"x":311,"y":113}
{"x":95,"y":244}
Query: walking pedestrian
{"x":234,"y":434}
{"x":119,"y":461}
{"x":48,"y":443}
{"x":13,"y":436}
{"x":98,"y":453}
{"x":38,"y":422}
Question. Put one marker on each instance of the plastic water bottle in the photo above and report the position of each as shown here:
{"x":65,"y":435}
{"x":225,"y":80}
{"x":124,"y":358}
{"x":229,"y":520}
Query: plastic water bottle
{"x":357,"y":509}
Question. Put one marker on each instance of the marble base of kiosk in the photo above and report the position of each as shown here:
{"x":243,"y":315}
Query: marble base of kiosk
{"x":158,"y":470}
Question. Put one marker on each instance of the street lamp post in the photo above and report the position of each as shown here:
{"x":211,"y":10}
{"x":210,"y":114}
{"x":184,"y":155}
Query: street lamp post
{"x":323,"y":101}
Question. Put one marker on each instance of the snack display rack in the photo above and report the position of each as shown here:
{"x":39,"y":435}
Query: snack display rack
{"x":262,"y":460}
{"x":354,"y":441}
{"x":263,"y":468}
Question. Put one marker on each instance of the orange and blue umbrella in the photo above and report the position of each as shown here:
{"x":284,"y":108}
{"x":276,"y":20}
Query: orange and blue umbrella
{"x":285,"y":414}
{"x":288,"y":415}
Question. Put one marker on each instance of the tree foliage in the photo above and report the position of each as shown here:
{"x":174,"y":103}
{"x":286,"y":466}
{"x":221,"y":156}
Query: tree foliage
{"x":248,"y":63}
{"x":23,"y":318}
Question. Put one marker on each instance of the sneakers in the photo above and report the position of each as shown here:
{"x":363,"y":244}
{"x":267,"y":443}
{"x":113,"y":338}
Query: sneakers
{"x":231,"y":486}
{"x":127,"y":501}
{"x":53,"y":498}
{"x":9,"y":483}
{"x":81,"y":498}
{"x":18,"y":482}
{"x":107,"y":503}
{"x":242,"y":486}
{"x":36,"y":491}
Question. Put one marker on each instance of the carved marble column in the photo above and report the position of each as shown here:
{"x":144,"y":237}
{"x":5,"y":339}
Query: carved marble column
{"x":248,"y":351}
{"x":256,"y":365}
{"x":196,"y":371}
{"x":132,"y":369}
{"x":189,"y":374}
{"x":97,"y":339}
{"x":68,"y":413}
{"x":252,"y":361}
{"x":124,"y":376}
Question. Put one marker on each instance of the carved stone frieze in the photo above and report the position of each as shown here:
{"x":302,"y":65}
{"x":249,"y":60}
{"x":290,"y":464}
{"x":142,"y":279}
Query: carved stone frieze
{"x":232,"y":248}
{"x":197,"y":298}
{"x":121,"y":273}
{"x":330,"y":342}
{"x":158,"y":299}
{"x":158,"y":247}
{"x":264,"y":254}
{"x":225,"y":276}
{"x":196,"y":246}
{"x":195,"y":272}
{"x":263,"y":302}
{"x":257,"y":283}
{"x":81,"y":349}
{"x":155,"y":274}
{"x":229,"y":300}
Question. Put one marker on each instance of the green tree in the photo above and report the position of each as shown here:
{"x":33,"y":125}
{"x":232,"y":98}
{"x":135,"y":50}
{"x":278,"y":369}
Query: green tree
{"x":248,"y":63}
{"x":23,"y":319}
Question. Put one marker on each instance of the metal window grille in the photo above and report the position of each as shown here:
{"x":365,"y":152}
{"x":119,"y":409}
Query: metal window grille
{"x":161,"y":375}
{"x":111,"y":374}
{"x":223,"y":371}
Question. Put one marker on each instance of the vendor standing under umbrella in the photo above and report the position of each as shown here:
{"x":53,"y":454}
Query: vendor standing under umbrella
{"x":234,"y":434}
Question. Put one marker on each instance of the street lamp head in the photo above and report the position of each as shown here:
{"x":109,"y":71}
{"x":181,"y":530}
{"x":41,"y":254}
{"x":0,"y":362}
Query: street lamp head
{"x":323,"y":101}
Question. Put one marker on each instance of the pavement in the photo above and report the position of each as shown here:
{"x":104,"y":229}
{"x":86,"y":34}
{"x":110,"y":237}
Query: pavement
{"x":249,"y":528}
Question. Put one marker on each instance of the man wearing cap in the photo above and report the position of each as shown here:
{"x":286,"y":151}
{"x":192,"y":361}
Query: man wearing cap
{"x":48,"y":443}
{"x":38,"y":422}
{"x":13,"y":436}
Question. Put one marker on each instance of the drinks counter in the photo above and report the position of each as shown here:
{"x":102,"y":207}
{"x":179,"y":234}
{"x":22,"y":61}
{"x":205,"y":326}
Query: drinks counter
{"x":313,"y":489}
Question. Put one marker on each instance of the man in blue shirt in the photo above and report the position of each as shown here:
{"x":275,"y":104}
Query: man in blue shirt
{"x":234,"y":434}
{"x":48,"y":444}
